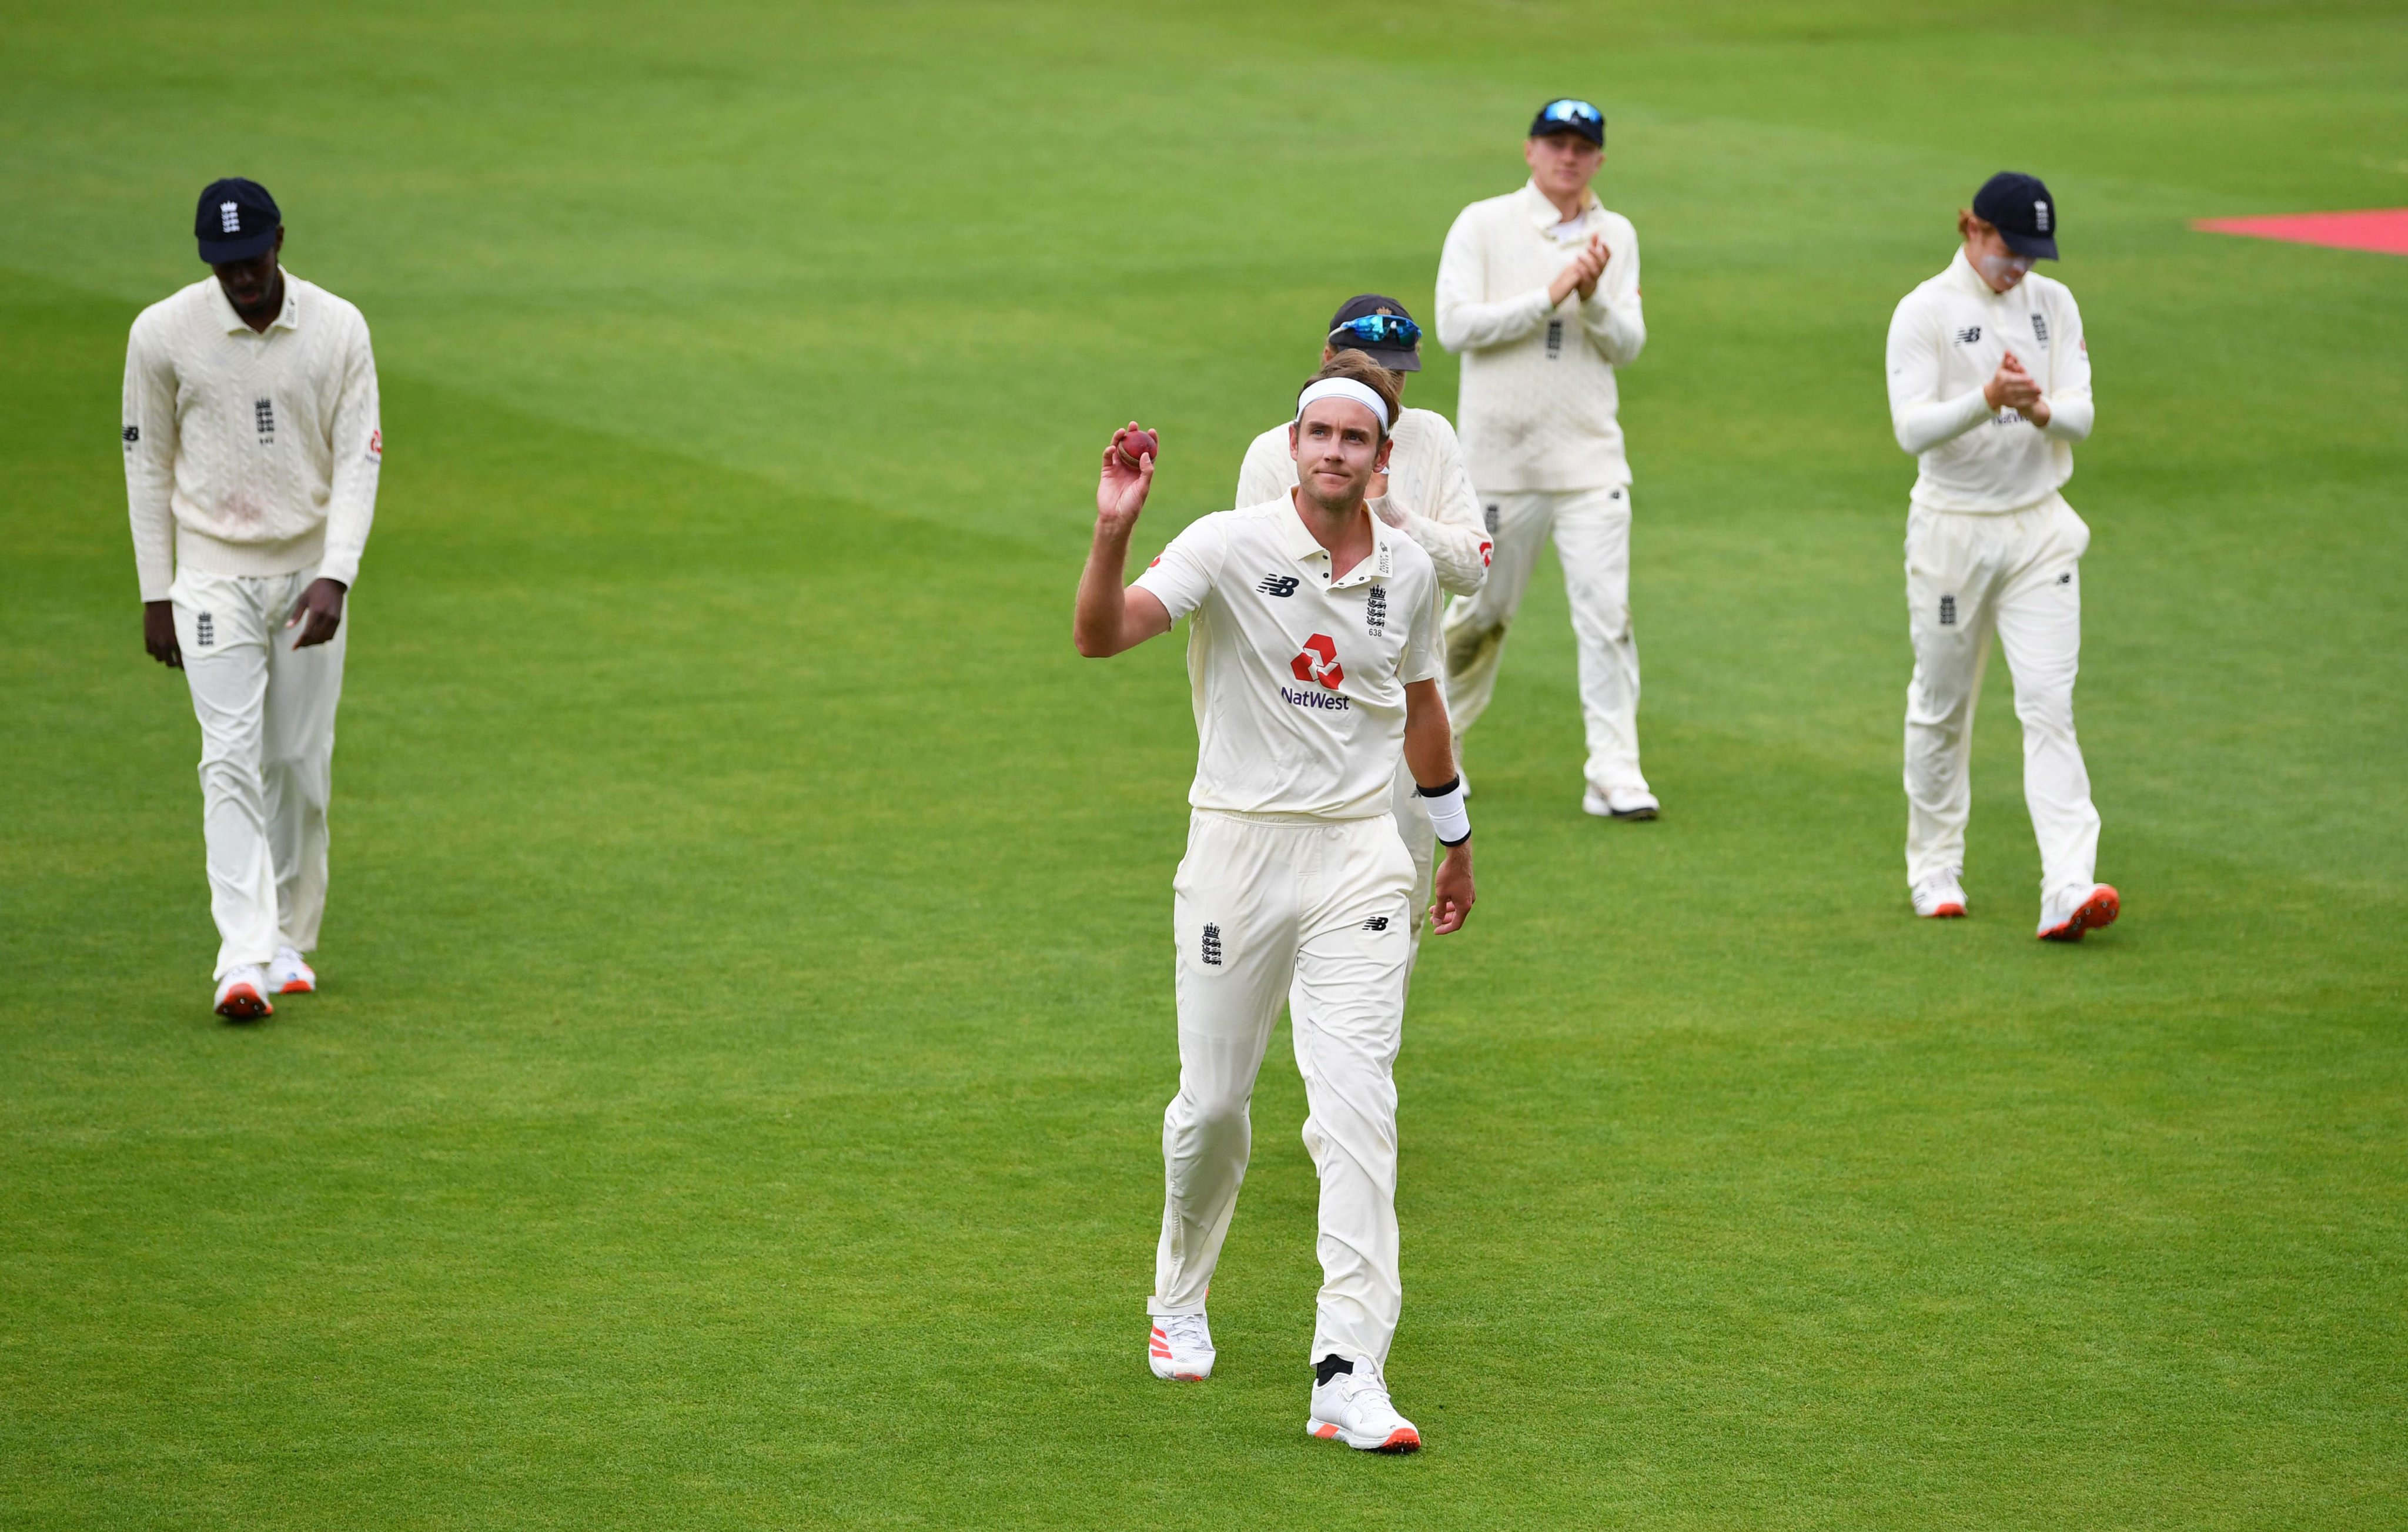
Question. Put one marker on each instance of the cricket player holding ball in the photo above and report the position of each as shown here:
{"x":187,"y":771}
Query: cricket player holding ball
{"x":251,"y":455}
{"x":1540,"y":291}
{"x":1314,"y":659}
{"x":1425,"y":493}
{"x":1989,"y":388}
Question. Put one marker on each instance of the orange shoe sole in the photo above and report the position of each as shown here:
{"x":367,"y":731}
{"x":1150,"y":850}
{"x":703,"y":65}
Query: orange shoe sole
{"x":299,"y":986}
{"x":1946,"y":912}
{"x":244,"y":1004}
{"x":2099,"y":910}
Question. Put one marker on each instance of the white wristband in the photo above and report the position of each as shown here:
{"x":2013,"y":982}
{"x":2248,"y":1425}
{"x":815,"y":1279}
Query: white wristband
{"x":1448,"y":816}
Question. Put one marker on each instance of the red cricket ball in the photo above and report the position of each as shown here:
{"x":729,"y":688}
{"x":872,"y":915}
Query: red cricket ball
{"x":1139,"y":445}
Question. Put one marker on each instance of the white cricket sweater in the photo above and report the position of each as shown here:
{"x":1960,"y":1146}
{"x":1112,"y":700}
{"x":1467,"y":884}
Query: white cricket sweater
{"x":1946,"y":340}
{"x":250,"y":454}
{"x":1539,"y":401}
{"x":1430,"y":497}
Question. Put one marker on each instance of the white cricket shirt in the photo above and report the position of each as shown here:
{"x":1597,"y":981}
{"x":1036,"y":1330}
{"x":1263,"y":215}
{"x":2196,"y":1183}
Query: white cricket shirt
{"x":250,"y":454}
{"x":1299,"y":680}
{"x":1946,"y":342}
{"x":1429,"y":499}
{"x":1539,"y":402}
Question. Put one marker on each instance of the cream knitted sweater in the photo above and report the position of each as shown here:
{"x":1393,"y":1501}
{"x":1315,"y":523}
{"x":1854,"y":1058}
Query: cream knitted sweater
{"x":250,"y":454}
{"x":1539,"y":401}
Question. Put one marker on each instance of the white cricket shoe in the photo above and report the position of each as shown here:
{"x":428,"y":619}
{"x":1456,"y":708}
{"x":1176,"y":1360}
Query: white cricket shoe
{"x":1940,"y":898}
{"x":1180,"y":1347}
{"x":2063,"y":917}
{"x":242,"y":995}
{"x":1621,"y":803}
{"x":1354,"y":1407}
{"x":289,"y":975}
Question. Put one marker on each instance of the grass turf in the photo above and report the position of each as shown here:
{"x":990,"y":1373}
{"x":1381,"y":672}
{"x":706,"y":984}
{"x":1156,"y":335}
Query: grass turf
{"x":734,"y":1100}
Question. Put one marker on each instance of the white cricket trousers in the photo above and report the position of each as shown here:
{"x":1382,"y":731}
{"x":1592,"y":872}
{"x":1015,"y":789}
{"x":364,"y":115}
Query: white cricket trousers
{"x":1592,"y":533}
{"x":1262,"y":901}
{"x":267,"y":751}
{"x":2018,"y":574}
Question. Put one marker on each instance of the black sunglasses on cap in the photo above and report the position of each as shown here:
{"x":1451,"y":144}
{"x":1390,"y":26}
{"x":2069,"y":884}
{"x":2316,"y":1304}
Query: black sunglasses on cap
{"x":1570,"y":115}
{"x":1380,"y":330}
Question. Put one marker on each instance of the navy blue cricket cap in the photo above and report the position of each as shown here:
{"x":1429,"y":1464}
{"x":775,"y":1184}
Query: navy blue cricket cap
{"x":2020,"y":208}
{"x":1570,"y":114}
{"x":1398,"y":349}
{"x":236,"y":221}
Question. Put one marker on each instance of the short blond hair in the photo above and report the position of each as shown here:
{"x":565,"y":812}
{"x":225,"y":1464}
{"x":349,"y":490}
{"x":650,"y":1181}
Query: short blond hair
{"x":1362,"y":369}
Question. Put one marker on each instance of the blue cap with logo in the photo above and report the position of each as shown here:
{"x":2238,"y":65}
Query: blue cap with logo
{"x":1570,"y":114}
{"x":236,"y":221}
{"x":2023,"y":212}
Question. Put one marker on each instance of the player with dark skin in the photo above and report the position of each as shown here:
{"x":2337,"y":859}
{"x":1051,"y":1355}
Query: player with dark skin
{"x":2011,"y":387}
{"x":256,"y":289}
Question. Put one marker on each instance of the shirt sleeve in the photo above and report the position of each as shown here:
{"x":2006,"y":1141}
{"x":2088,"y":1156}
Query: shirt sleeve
{"x":1919,"y":417}
{"x":1259,"y":478}
{"x":1182,"y":576}
{"x":1466,"y":320}
{"x":150,"y":438}
{"x":1442,"y":514}
{"x":2070,"y":411}
{"x":359,"y":457}
{"x":1616,"y":325}
{"x":1423,"y":648}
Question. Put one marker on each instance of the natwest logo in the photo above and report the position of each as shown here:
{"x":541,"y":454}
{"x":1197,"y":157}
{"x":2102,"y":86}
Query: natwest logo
{"x":1319,"y":662}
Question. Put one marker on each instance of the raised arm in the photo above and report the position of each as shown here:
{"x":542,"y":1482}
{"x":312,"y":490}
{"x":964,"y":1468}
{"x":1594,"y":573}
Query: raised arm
{"x":2069,"y":413}
{"x":1919,"y":417}
{"x":1610,"y":312}
{"x":1112,"y":618}
{"x":1467,"y":320}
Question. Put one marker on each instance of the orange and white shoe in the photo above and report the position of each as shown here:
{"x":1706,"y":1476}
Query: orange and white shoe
{"x":2064,"y":917}
{"x":1180,"y":1347}
{"x":1940,"y":898}
{"x":242,"y":995}
{"x":290,"y":974}
{"x":1352,"y":1407}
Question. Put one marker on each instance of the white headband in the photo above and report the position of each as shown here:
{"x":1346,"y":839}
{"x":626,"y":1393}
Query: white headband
{"x":1344,"y":388}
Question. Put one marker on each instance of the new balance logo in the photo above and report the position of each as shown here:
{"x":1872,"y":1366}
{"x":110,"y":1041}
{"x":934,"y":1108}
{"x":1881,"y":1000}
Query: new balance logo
{"x":204,"y":631}
{"x":2066,"y":579}
{"x":1947,"y":611}
{"x":262,"y":413}
{"x":1375,"y":609}
{"x":132,"y":435}
{"x":1278,"y":586}
{"x":1555,"y":339}
{"x":1211,"y":945}
{"x":1969,"y":334}
{"x":1377,"y":923}
{"x":2040,"y":330}
{"x":229,"y":218}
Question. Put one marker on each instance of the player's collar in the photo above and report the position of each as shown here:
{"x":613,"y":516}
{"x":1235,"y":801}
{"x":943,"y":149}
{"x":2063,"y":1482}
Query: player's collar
{"x":1544,"y":215}
{"x":1379,"y":564}
{"x":288,"y":317}
{"x":1961,"y":272}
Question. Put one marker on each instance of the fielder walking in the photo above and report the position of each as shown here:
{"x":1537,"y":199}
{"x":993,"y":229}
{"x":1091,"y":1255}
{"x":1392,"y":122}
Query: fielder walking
{"x":1989,"y":388}
{"x":1540,"y":291}
{"x":251,"y":453}
{"x":1314,"y":659}
{"x":1425,"y":493}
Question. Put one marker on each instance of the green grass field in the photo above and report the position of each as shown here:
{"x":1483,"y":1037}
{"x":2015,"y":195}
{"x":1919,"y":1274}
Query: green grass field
{"x":734,"y":1097}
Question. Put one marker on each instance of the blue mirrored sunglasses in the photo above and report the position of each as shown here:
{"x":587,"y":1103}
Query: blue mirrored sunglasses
{"x":1572,"y":111}
{"x":1380,"y":330}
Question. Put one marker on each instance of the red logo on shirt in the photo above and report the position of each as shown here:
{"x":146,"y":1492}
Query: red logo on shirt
{"x":1486,"y":547}
{"x":1319,"y":662}
{"x":376,"y":445}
